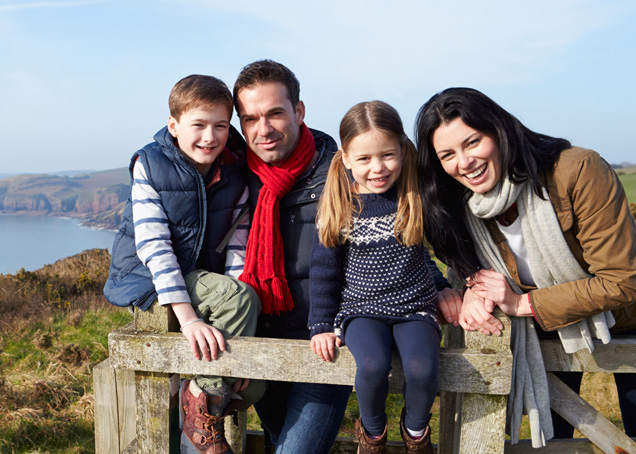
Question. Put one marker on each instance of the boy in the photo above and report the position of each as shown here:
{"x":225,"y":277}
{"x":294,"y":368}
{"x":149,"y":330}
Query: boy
{"x":180,"y":231}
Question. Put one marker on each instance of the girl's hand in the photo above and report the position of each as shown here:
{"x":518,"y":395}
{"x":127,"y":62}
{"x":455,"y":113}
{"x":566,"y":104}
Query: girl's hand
{"x":491,"y":285}
{"x":204,"y":338}
{"x":449,"y":303}
{"x":324,"y":345}
{"x":476,"y":315}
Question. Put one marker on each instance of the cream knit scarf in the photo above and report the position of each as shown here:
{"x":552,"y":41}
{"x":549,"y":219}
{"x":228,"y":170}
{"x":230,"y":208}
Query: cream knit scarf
{"x":551,"y":263}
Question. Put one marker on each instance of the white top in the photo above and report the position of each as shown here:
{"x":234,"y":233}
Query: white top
{"x":514,"y":238}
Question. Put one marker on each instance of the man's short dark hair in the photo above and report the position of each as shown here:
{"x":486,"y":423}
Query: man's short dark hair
{"x":264,"y":71}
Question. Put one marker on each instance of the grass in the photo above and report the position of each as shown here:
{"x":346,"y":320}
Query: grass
{"x":628,"y":179}
{"x":54,"y":326}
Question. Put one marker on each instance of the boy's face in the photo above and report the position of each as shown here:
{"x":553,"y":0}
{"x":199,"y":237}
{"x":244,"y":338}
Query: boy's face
{"x":201,"y":134}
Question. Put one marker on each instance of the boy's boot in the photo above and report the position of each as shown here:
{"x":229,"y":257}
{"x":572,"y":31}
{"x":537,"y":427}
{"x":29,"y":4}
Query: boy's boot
{"x":420,"y":446}
{"x":201,"y":418}
{"x":366,"y":444}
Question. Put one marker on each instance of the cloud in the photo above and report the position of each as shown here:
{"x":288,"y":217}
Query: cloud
{"x":37,"y":5}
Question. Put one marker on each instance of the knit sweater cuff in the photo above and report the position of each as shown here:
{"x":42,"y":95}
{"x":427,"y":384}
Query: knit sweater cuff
{"x":320,"y":328}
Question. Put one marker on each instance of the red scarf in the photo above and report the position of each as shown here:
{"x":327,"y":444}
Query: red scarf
{"x":265,"y":260}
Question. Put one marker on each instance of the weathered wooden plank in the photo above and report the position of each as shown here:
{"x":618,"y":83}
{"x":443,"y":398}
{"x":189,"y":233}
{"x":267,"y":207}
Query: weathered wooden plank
{"x":483,"y":417}
{"x":341,"y":446}
{"x":156,"y":318}
{"x":126,"y":408}
{"x":131,"y":448}
{"x":114,"y":391}
{"x":573,"y":446}
{"x":598,"y":429}
{"x":450,"y":402}
{"x":153,"y":413}
{"x":106,"y":419}
{"x":236,"y":434}
{"x":483,"y":422}
{"x":617,"y":356}
{"x":484,"y":371}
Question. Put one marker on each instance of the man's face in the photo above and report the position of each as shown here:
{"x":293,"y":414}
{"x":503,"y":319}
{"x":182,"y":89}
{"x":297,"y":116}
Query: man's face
{"x":269,"y":121}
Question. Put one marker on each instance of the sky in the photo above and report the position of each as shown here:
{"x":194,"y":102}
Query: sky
{"x":84,"y":84}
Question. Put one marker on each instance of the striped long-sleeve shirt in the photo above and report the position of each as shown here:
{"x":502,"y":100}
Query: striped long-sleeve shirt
{"x":154,"y":246}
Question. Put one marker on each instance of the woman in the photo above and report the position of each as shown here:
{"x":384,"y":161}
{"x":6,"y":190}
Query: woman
{"x":537,"y":227}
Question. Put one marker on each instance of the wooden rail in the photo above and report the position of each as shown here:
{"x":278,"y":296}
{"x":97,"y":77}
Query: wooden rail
{"x":142,"y":375}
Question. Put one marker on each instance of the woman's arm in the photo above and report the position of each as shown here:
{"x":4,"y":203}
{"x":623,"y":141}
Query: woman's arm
{"x":606,"y":233}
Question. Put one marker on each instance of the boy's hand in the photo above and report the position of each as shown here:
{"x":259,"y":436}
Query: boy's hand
{"x":205,"y":339}
{"x":324,"y":345}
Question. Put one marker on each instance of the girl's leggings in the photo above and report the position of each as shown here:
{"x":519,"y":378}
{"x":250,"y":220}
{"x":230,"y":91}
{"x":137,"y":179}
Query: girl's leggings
{"x":418,"y":343}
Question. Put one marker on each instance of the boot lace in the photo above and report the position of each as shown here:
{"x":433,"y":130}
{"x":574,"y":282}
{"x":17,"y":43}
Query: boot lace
{"x":212,"y":424}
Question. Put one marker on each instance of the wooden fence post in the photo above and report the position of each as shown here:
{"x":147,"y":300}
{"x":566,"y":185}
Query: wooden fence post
{"x":157,"y":393}
{"x":450,"y":402}
{"x":114,"y":391}
{"x":596,"y":428}
{"x":483,"y":416}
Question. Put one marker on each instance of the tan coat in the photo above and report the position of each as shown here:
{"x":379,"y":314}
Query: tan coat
{"x":594,"y":215}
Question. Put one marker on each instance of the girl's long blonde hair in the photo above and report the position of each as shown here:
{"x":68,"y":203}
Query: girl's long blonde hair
{"x":339,"y":202}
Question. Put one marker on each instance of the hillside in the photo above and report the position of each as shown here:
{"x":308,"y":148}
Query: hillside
{"x":96,"y":198}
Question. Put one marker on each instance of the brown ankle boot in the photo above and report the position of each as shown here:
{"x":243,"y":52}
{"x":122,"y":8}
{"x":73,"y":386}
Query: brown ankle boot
{"x":367,"y":445}
{"x":421,"y":445}
{"x":202,"y":418}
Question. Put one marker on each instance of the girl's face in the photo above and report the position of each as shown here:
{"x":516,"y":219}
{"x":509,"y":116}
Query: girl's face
{"x":469,"y":156}
{"x":375,"y":160}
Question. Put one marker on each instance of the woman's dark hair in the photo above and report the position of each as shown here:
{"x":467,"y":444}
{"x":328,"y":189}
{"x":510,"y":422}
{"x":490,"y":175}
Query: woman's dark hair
{"x":525,"y":155}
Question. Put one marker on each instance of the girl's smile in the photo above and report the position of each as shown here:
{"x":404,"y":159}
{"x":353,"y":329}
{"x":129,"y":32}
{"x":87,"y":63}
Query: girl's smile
{"x":375,"y":161}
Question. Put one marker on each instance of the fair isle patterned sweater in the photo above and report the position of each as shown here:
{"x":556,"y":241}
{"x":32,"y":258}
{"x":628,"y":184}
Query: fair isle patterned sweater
{"x":371,"y":275}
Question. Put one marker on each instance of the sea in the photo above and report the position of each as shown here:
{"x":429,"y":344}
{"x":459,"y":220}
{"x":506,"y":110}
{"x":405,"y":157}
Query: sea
{"x":30,"y":242}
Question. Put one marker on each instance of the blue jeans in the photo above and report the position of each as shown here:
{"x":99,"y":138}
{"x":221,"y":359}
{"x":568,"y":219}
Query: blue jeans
{"x":302,"y":417}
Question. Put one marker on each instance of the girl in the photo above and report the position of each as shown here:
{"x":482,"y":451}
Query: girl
{"x":372,"y":284}
{"x":551,"y":220}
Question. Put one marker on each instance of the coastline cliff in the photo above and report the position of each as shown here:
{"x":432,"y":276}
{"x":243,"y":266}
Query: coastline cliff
{"x":97,"y":199}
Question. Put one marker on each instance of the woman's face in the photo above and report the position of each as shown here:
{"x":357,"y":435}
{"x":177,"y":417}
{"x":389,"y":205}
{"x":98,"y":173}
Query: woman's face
{"x":468,"y":155}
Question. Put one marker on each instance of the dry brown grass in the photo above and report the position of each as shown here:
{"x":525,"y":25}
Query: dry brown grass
{"x":53,"y":329}
{"x":73,"y":285}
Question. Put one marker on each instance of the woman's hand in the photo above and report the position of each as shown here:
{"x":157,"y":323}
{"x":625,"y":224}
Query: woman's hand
{"x":449,"y":303}
{"x":205,"y":339}
{"x":491,"y":285}
{"x":476,"y":315}
{"x":324,"y":345}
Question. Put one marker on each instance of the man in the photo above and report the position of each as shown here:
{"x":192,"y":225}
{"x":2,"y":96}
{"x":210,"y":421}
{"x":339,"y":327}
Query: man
{"x":288,"y":164}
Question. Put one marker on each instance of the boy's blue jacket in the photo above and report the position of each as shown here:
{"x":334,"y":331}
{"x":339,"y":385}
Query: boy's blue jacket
{"x":189,"y":210}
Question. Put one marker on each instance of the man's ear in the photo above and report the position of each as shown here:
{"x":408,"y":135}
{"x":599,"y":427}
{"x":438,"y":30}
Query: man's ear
{"x":300,"y":113}
{"x":172,"y":126}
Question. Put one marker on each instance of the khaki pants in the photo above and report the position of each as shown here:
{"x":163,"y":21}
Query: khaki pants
{"x":232,"y":307}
